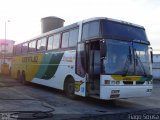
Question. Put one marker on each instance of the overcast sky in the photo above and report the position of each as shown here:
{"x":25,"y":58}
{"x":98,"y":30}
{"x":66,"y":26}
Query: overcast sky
{"x":25,"y":15}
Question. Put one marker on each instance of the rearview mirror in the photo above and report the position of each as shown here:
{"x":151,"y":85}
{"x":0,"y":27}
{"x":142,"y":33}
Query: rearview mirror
{"x":103,"y":48}
{"x":151,"y":53}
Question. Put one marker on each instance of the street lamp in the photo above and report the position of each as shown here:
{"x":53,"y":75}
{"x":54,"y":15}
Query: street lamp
{"x":5,"y":37}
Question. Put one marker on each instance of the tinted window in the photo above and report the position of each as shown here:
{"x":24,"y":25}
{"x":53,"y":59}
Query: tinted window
{"x":32,"y":46}
{"x":56,"y":41}
{"x":25,"y":48}
{"x":65,"y":38}
{"x":80,"y":62}
{"x":73,"y":37}
{"x":50,"y":43}
{"x":90,"y":30}
{"x":41,"y":44}
{"x":117,"y":30}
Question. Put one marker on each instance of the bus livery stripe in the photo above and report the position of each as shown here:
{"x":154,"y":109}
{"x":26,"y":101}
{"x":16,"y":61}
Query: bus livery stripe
{"x":47,"y":71}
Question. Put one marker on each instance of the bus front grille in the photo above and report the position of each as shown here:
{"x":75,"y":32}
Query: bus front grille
{"x":140,"y":82}
{"x":133,"y":82}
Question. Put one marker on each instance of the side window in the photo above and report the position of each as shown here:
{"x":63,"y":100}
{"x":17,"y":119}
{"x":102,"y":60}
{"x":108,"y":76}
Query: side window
{"x":56,"y":41}
{"x":50,"y":43}
{"x":32,"y":46}
{"x":90,"y":30}
{"x":65,"y":37}
{"x":80,"y":60}
{"x":41,"y":44}
{"x":25,"y":48}
{"x":18,"y":49}
{"x":73,"y":37}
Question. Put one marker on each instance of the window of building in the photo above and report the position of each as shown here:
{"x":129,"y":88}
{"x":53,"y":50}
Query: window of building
{"x":41,"y":44}
{"x":73,"y":37}
{"x":18,"y":49}
{"x":65,"y":37}
{"x":32,"y":46}
{"x":25,"y":48}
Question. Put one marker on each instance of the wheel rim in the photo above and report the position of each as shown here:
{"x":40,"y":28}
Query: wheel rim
{"x":70,"y":88}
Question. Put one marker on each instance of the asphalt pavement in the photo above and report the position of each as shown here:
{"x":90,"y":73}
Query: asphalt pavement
{"x":39,"y":102}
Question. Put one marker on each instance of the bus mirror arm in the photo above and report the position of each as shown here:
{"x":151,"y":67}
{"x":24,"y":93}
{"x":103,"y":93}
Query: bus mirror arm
{"x":103,"y":49}
{"x":151,"y":53}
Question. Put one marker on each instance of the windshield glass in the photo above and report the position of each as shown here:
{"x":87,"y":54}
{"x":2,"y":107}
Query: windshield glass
{"x":125,"y":58}
{"x":117,"y":58}
{"x":119,"y":30}
{"x":142,"y":66}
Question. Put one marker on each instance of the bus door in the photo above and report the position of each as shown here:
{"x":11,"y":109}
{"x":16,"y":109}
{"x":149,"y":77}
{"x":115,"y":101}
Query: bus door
{"x":93,"y":67}
{"x":80,"y":78}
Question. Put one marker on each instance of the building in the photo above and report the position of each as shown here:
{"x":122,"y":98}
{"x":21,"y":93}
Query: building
{"x":6,"y":50}
{"x":156,"y":66}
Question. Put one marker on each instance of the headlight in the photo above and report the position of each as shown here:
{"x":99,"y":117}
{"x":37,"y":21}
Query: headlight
{"x":111,"y":82}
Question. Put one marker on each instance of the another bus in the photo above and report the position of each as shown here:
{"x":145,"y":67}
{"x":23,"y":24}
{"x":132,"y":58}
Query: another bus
{"x":99,"y":57}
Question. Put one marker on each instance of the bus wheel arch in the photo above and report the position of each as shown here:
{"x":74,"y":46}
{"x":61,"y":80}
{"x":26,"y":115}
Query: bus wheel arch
{"x":69,"y":87}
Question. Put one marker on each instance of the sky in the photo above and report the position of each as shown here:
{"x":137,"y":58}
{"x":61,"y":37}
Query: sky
{"x":25,"y":15}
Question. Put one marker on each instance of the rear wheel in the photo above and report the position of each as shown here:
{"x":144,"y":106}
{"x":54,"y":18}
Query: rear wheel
{"x":69,"y":88}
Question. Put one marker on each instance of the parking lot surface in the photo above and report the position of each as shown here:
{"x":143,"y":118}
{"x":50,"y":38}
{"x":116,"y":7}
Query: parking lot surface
{"x":39,"y":102}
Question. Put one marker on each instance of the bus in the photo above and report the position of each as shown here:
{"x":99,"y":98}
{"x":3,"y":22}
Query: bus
{"x":99,"y":57}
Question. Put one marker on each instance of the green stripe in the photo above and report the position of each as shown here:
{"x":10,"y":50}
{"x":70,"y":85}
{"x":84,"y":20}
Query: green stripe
{"x":52,"y":60}
{"x":43,"y":65}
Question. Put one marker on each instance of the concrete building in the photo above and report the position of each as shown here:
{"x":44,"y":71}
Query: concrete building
{"x":6,"y":50}
{"x":156,"y":66}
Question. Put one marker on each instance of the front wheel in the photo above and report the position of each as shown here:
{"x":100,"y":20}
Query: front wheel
{"x":69,"y":88}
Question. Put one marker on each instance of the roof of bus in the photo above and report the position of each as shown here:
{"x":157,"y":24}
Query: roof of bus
{"x":111,"y":19}
{"x":65,"y":28}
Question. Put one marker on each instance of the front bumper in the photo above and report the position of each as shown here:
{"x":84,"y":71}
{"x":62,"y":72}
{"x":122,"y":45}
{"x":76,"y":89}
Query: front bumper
{"x":117,"y":92}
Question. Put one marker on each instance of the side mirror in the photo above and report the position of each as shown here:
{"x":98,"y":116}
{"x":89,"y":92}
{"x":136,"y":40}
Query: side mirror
{"x":103,"y":48}
{"x":151,"y":53}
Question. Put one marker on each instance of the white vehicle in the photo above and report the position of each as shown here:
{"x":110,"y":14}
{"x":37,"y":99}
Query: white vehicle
{"x":99,"y":57}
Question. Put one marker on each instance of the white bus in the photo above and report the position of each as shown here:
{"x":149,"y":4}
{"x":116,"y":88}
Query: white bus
{"x":99,"y":57}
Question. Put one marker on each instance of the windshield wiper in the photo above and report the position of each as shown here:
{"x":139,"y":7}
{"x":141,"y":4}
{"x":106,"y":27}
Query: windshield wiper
{"x":137,"y":58}
{"x":128,"y":62}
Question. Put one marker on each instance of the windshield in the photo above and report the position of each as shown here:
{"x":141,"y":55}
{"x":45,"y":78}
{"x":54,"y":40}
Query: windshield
{"x":118,"y":30}
{"x":125,"y":58}
{"x":142,"y":66}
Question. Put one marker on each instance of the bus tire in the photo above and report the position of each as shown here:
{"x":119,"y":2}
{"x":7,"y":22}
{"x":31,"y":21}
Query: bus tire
{"x":23,"y":78}
{"x":69,"y":88}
